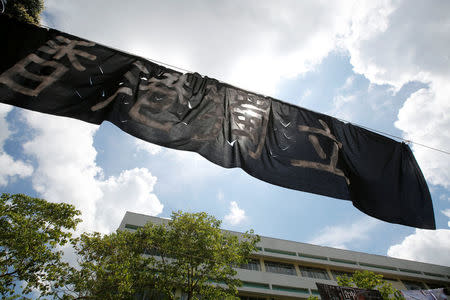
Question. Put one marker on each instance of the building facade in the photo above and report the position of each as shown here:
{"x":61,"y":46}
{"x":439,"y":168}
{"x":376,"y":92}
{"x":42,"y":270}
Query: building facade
{"x":282,"y":269}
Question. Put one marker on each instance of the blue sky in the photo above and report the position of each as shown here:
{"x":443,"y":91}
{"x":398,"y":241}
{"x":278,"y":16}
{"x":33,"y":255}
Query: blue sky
{"x":383,"y":65}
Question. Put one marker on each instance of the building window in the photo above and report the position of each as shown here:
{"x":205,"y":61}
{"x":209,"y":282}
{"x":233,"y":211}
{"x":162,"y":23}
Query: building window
{"x":343,"y":261}
{"x":312,"y":256}
{"x":280,"y":268}
{"x":252,"y":264}
{"x":434,"y":274}
{"x":280,"y":251}
{"x":413,"y":285}
{"x":289,"y":289}
{"x":337,"y":273}
{"x":255,"y":285}
{"x":436,"y":285}
{"x":132,"y":227}
{"x":378,"y":266}
{"x":314,"y":273}
{"x":410,"y":271}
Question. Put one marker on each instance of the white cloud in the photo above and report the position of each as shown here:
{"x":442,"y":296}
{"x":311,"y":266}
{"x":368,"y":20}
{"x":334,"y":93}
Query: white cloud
{"x":341,"y":100}
{"x":9,"y":167}
{"x":369,"y":20}
{"x":147,"y":147}
{"x":248,"y":43}
{"x":307,"y":93}
{"x":348,"y":83}
{"x":343,"y":235}
{"x":220,"y":195}
{"x":430,"y":246}
{"x":447,"y":213}
{"x":4,"y":130}
{"x":425,"y":118}
{"x":66,"y":169}
{"x":132,"y":190}
{"x":190,"y":167}
{"x":67,"y":172}
{"x":398,"y":42}
{"x":236,"y":214}
{"x":444,"y":197}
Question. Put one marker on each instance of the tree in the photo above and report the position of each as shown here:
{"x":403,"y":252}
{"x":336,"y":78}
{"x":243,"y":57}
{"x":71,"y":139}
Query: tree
{"x":370,"y":281}
{"x":190,"y":253}
{"x":196,"y":256}
{"x":31,"y":231}
{"x":24,"y":10}
{"x":110,"y":267}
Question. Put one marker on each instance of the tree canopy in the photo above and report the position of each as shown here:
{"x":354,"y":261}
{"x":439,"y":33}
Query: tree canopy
{"x":370,"y":281}
{"x":25,"y":10}
{"x":196,"y":256}
{"x":110,"y":267}
{"x":190,"y":254}
{"x":32,"y":231}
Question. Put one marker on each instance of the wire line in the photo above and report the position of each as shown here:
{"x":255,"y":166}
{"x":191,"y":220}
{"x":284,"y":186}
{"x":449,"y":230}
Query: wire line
{"x":395,"y":136}
{"x":346,"y":121}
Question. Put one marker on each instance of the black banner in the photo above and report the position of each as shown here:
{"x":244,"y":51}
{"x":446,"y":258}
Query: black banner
{"x":56,"y":73}
{"x":331,"y":292}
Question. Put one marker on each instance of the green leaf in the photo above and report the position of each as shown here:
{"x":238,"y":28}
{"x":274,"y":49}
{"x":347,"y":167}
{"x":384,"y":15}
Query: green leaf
{"x":31,"y":230}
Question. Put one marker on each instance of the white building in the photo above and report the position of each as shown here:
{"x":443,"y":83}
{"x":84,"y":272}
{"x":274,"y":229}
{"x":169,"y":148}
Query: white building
{"x":282,"y":269}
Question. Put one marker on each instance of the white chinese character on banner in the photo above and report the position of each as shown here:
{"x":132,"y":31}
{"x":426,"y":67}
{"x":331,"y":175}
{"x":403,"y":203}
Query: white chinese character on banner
{"x":26,"y":79}
{"x":332,"y":166}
